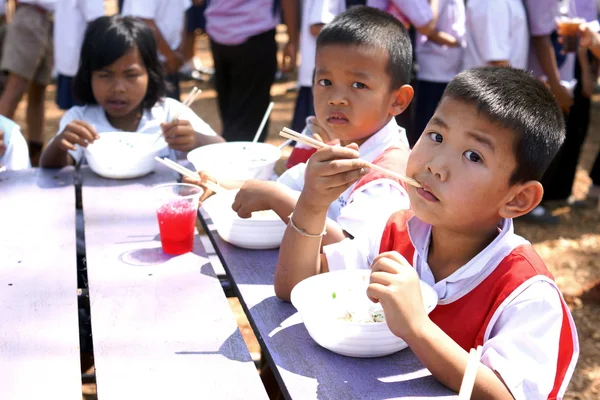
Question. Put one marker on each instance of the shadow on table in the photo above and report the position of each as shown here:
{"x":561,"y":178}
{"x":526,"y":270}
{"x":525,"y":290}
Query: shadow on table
{"x":289,"y":343}
{"x":152,"y":256}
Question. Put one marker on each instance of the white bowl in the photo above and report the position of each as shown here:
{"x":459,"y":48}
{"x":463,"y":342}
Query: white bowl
{"x":123,"y":155}
{"x":236,"y":160}
{"x":314,"y":300}
{"x":264,"y":230}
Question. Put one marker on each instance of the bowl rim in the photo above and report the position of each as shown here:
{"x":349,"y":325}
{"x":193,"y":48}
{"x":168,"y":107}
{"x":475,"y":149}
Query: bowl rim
{"x":274,"y":149}
{"x":424,"y":287}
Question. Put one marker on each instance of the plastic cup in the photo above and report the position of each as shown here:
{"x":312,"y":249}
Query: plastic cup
{"x":568,"y":28}
{"x":176,"y":209}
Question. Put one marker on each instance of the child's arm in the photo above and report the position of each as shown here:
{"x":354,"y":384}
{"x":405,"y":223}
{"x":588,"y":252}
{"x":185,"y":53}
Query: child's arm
{"x":77,"y":132}
{"x":329,"y":173}
{"x":421,"y":15}
{"x":180,"y":135}
{"x":395,"y":284}
{"x":290,"y":18}
{"x":173,"y":60}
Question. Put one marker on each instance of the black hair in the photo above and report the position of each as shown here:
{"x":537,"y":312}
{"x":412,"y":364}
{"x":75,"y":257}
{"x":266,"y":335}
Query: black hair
{"x":106,"y":40}
{"x":513,"y":99}
{"x":370,"y":27}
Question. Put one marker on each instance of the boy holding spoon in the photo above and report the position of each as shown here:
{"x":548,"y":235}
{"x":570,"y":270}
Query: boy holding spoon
{"x":363,"y":63}
{"x":479,"y":162}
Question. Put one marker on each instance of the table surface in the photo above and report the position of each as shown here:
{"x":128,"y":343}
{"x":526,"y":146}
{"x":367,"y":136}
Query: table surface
{"x":302,"y":368}
{"x":161,"y":325}
{"x":39,"y":337}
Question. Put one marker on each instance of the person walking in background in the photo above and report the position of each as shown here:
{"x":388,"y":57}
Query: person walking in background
{"x":27,"y":57}
{"x":242,"y":41}
{"x":166,"y":18}
{"x":195,"y":22}
{"x":549,"y":64}
{"x":71,"y":18}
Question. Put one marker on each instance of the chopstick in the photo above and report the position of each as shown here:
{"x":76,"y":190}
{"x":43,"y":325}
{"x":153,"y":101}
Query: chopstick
{"x":189,"y":100}
{"x":189,"y":173}
{"x":466,"y":387}
{"x":290,"y":134}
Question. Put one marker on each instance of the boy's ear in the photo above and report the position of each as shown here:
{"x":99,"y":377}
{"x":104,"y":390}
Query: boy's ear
{"x":523,"y":198}
{"x":401,"y":99}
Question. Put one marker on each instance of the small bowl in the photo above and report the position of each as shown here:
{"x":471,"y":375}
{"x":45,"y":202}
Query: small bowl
{"x":236,"y":160}
{"x":264,"y":230}
{"x":314,"y":300}
{"x":123,"y":155}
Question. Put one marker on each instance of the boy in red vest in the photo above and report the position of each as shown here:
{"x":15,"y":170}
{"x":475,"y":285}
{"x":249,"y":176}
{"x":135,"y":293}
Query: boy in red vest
{"x":479,"y":162}
{"x":362,"y":69}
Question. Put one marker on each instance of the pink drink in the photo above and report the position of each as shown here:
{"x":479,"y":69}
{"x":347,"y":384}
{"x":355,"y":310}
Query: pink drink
{"x":176,"y":221}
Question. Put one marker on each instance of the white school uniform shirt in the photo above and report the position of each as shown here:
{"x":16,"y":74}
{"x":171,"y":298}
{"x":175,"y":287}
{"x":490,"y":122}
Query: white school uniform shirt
{"x":169,"y":16}
{"x":496,"y":31}
{"x":542,"y":21}
{"x":527,"y":367}
{"x":441,"y":63}
{"x":162,"y":111}
{"x":374,"y":202}
{"x":2,"y":7}
{"x":16,"y":155}
{"x":70,"y":22}
{"x":46,"y":4}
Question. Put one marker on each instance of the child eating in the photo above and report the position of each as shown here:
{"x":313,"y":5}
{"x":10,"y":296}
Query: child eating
{"x":120,"y":82}
{"x":363,"y":63}
{"x":479,"y":162}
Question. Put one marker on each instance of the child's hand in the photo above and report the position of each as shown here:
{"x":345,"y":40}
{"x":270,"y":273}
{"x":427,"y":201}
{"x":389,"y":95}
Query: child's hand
{"x":202,"y":177}
{"x":77,"y":132}
{"x":395,"y":284}
{"x":330,"y":171}
{"x":179,"y":135}
{"x":589,"y":39}
{"x":2,"y":143}
{"x":320,"y":133}
{"x":254,"y":196}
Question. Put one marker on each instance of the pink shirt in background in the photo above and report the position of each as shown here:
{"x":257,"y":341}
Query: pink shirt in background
{"x":587,"y":9}
{"x":232,"y":22}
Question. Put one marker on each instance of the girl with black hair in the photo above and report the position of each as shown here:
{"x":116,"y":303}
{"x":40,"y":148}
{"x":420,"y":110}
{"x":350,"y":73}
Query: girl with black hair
{"x":120,"y":83}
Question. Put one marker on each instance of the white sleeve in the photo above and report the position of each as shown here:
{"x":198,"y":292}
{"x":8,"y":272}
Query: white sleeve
{"x":541,"y":16}
{"x":140,"y":8}
{"x":93,"y":9}
{"x":72,"y":114}
{"x":418,"y":12}
{"x":524,"y":342}
{"x":293,"y":178}
{"x":372,"y":205}
{"x":491,"y":30}
{"x":17,"y":153}
{"x":324,"y":11}
{"x":357,"y":253}
{"x":185,"y":113}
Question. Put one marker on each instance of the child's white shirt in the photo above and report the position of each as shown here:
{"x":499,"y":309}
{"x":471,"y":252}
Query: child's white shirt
{"x":70,"y":22}
{"x":372,"y":203}
{"x":496,"y":31}
{"x":169,"y":16}
{"x":163,"y":111}
{"x":528,"y":371}
{"x":16,"y":155}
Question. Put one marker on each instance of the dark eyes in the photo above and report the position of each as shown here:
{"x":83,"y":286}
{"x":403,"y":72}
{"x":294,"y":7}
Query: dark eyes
{"x":358,"y":85}
{"x":324,"y":82}
{"x":436,"y":137}
{"x":469,"y":154}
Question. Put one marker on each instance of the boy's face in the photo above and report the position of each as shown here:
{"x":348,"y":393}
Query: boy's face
{"x":464,"y":163}
{"x":351,"y":89}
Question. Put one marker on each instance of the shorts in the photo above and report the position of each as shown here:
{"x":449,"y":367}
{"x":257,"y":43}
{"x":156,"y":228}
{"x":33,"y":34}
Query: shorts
{"x":65,"y":98}
{"x":27,"y":49}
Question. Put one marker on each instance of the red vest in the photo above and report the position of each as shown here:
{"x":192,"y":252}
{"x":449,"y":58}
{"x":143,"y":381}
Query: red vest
{"x":476,"y":309}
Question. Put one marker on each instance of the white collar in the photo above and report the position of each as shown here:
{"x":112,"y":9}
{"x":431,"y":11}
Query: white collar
{"x":469,"y":275}
{"x":388,"y":136}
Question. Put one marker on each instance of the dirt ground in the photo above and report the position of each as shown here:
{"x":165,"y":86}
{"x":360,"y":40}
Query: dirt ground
{"x":571,"y":250}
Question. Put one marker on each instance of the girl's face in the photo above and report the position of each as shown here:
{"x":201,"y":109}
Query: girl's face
{"x":120,"y":87}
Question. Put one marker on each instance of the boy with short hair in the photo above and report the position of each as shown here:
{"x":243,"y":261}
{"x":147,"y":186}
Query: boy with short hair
{"x":479,"y":162}
{"x":363,"y":62}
